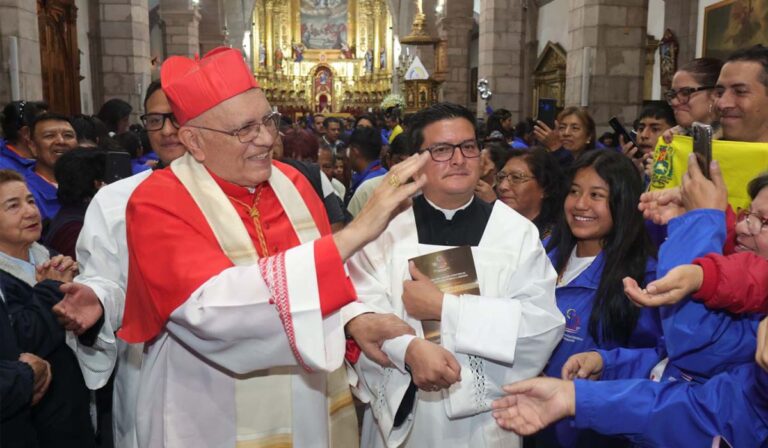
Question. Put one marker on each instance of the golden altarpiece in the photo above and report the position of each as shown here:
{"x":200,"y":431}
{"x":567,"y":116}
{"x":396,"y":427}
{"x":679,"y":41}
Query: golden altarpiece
{"x":330,"y":56}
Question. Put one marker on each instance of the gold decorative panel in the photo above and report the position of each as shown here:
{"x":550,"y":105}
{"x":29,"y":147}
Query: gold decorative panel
{"x":347,"y":42}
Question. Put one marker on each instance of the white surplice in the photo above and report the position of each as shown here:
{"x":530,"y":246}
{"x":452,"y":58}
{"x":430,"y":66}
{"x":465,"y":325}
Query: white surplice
{"x":247,"y":358}
{"x":226,"y":330}
{"x":504,"y":335}
{"x":102,"y":253}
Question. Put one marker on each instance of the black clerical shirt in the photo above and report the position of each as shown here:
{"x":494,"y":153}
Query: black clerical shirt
{"x":465,"y":229}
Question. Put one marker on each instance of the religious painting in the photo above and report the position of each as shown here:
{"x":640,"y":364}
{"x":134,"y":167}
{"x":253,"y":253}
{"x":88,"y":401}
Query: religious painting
{"x":324,"y":24}
{"x":323,"y":89}
{"x":733,"y":24}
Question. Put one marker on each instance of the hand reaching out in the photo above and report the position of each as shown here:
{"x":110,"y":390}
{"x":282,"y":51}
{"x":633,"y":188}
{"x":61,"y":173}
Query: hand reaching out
{"x":80,"y":308}
{"x":534,"y":404}
{"x":679,"y":282}
{"x":587,"y":365}
{"x":662,"y":206}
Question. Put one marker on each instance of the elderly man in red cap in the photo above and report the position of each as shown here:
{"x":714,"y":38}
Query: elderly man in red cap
{"x":235,"y":280}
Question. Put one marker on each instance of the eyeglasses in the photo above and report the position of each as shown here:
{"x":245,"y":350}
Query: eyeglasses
{"x":251,"y":131}
{"x":683,"y":94}
{"x":515,"y":178}
{"x":156,"y":121}
{"x":443,"y":152}
{"x":755,"y":222}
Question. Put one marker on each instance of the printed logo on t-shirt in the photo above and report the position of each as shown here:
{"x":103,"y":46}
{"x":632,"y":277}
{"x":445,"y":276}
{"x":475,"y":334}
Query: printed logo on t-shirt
{"x":572,"y":326}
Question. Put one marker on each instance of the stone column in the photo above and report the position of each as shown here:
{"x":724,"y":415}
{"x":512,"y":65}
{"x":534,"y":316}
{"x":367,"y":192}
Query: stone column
{"x":454,"y":27}
{"x":608,"y":36}
{"x":18,"y":19}
{"x":182,"y":29}
{"x":211,"y":26}
{"x":681,"y":16}
{"x":500,"y":61}
{"x":124,"y":63}
{"x":530,"y":57}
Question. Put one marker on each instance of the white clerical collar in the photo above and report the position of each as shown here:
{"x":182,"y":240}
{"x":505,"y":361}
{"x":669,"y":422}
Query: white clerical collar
{"x":447,"y":212}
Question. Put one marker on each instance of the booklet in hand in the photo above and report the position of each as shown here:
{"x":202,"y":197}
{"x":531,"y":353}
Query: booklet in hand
{"x":453,"y":272}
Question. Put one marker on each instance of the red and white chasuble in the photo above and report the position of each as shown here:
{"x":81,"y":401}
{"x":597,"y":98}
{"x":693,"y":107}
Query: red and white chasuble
{"x":239,"y":342}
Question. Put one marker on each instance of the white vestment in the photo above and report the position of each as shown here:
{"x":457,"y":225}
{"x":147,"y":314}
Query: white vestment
{"x":505,"y":335}
{"x":102,"y":253}
{"x":245,"y":360}
{"x":362,"y":195}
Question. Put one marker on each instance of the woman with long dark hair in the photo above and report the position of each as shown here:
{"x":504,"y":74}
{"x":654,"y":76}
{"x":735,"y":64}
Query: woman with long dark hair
{"x":599,"y":239}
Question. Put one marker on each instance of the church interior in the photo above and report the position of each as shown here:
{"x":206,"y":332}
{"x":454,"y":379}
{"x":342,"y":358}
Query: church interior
{"x":352,"y":56}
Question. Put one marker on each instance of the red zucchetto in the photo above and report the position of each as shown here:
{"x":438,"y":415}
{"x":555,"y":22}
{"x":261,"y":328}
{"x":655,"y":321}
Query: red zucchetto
{"x":196,"y":85}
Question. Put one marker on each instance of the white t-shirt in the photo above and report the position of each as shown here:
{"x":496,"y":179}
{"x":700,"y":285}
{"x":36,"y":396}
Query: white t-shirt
{"x":574,"y":268}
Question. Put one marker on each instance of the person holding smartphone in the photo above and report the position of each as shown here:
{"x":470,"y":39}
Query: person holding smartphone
{"x":652,"y":122}
{"x":574,"y":134}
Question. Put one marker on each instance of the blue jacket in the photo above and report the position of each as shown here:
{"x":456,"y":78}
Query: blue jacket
{"x":9,"y":160}
{"x":575,"y":302}
{"x":702,"y":342}
{"x":699,"y":342}
{"x":518,"y":143}
{"x":733,"y":405}
{"x":44,"y":193}
{"x":374,"y":169}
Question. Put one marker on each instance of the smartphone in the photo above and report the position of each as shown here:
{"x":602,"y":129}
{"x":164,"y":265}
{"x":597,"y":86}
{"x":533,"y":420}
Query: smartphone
{"x":620,"y":130}
{"x":702,"y":145}
{"x":118,"y":166}
{"x":547,"y":112}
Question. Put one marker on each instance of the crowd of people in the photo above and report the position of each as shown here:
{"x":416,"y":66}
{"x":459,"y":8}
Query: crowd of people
{"x":250,"y":281}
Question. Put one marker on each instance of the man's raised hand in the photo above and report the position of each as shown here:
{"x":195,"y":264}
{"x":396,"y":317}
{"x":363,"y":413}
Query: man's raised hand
{"x":390,"y":198}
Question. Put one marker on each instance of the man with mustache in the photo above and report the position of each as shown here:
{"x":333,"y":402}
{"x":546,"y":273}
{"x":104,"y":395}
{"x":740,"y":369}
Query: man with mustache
{"x":742,"y":95}
{"x":51,"y":136}
{"x":422,"y":393}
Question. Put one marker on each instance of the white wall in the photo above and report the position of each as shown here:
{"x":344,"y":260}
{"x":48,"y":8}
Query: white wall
{"x":700,"y":27}
{"x":553,"y":25}
{"x":655,"y":27}
{"x":83,"y":28}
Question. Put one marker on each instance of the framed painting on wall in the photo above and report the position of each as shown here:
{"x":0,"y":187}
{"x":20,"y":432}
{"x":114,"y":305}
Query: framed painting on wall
{"x":730,"y":25}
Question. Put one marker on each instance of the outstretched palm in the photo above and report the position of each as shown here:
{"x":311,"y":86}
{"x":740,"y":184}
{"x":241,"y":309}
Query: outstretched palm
{"x":534,"y":404}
